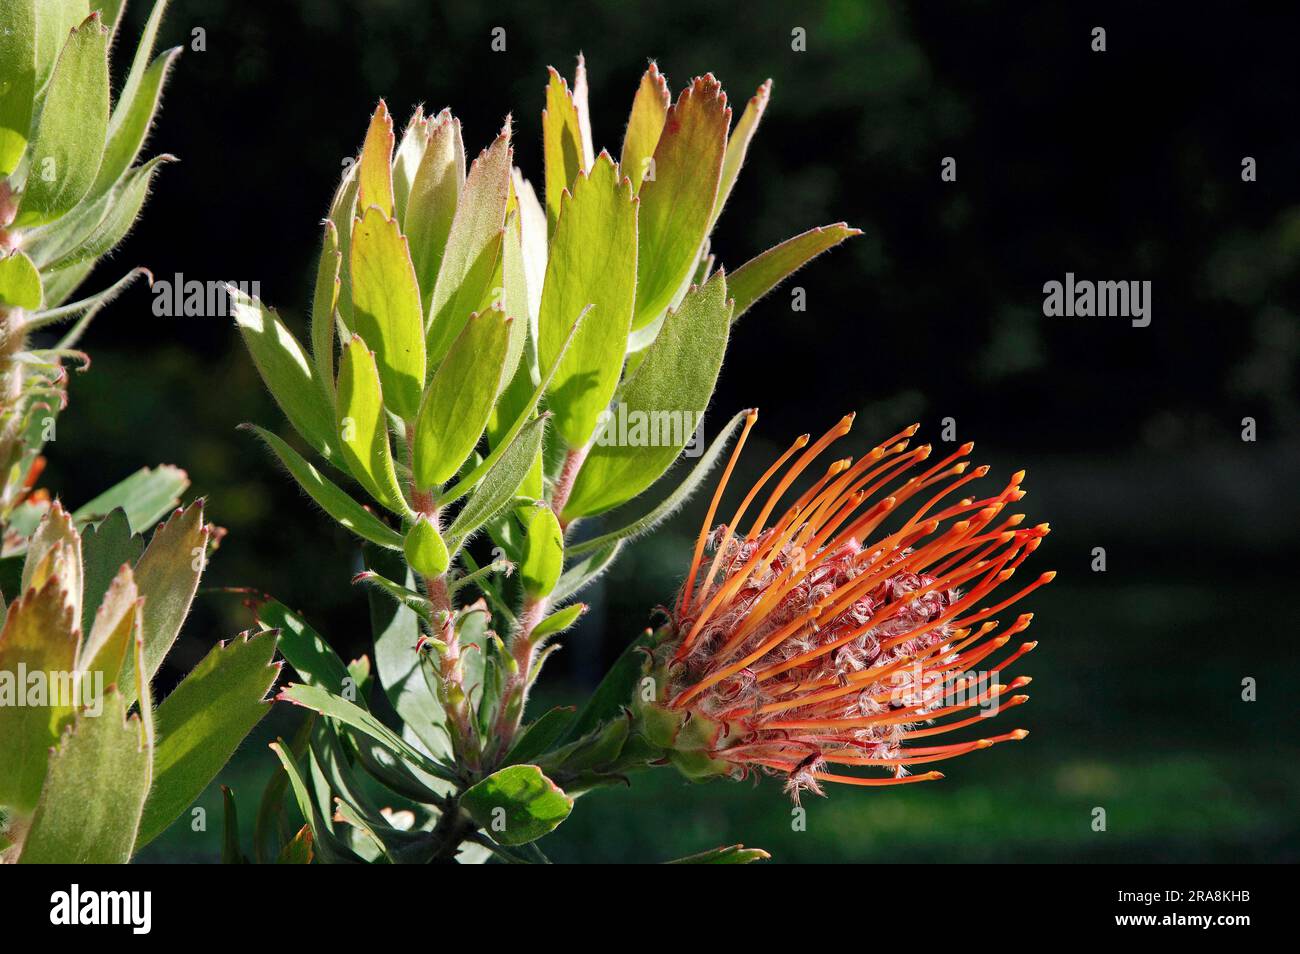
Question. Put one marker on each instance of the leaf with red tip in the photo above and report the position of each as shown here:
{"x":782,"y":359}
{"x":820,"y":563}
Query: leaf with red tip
{"x":472,"y":257}
{"x":645,"y":125}
{"x":38,"y":634}
{"x":677,"y":204}
{"x":375,"y":168}
{"x":167,"y":576}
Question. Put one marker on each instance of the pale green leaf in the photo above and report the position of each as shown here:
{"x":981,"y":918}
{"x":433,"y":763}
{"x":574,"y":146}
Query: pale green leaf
{"x":336,"y":707}
{"x":147,"y":496}
{"x":645,"y":125}
{"x":677,"y":204}
{"x":286,"y":370}
{"x":346,"y":512}
{"x":667,"y":395}
{"x":460,"y":398}
{"x":121,"y":212}
{"x":431,"y":206}
{"x":304,"y":648}
{"x":375,"y":168}
{"x":728,"y":855}
{"x":562,"y":150}
{"x":583,"y":273}
{"x":665,"y":508}
{"x":95,"y":791}
{"x":386,"y":309}
{"x":203,"y":721}
{"x":499,"y":485}
{"x":20,"y":283}
{"x":131,"y":120}
{"x":324,"y":303}
{"x":69,"y":139}
{"x":559,"y":621}
{"x":18,"y":43}
{"x":38,"y":634}
{"x":167,"y":576}
{"x":473,"y":247}
{"x":543,"y":555}
{"x":363,"y":426}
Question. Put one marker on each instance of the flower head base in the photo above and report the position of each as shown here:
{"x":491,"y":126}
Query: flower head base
{"x":841,"y":634}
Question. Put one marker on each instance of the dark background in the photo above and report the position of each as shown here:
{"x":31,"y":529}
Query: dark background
{"x":1122,"y":165}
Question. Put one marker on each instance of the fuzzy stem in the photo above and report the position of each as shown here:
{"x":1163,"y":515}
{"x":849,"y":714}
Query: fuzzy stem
{"x":523,"y":647}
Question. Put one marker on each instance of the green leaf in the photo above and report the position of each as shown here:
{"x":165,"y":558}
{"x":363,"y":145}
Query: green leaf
{"x":668,"y":394}
{"x":473,"y":247}
{"x":764,"y":272}
{"x":285,"y":369}
{"x":543,"y":556}
{"x":299,"y":849}
{"x":94,"y":793}
{"x":331,"y":849}
{"x":517,"y":804}
{"x":305,"y":649}
{"x":38,"y":634}
{"x":386,"y":309}
{"x":375,"y":168}
{"x":18,"y":43}
{"x":203,"y":721}
{"x":669,"y":505}
{"x":431,"y":206}
{"x":336,"y":707}
{"x":541,"y":735}
{"x":601,"y":274}
{"x":460,"y":398}
{"x":132,"y":118}
{"x":498,"y":486}
{"x":363,"y":426}
{"x":584,"y":571}
{"x":505,"y":441}
{"x":738,"y":145}
{"x":231,"y":853}
{"x":69,"y":141}
{"x":324,"y":303}
{"x":406,"y":160}
{"x":104,"y":548}
{"x":727,"y":855}
{"x":117,"y":628}
{"x":20,"y":283}
{"x":346,"y":512}
{"x":167,"y":576}
{"x":559,"y":621}
{"x":106,"y":224}
{"x":677,"y":204}
{"x":425,"y":551}
{"x":146,"y":496}
{"x":562,"y":149}
{"x":645,"y":125}
{"x":615,"y":690}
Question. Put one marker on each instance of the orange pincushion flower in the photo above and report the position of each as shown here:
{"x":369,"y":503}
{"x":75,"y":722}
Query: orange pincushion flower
{"x":839,"y":635}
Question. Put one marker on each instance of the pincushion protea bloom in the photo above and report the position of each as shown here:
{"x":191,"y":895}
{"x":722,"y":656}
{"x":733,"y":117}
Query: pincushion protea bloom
{"x":835,"y":635}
